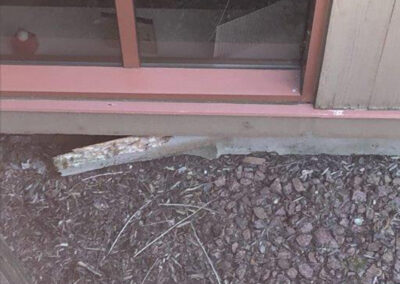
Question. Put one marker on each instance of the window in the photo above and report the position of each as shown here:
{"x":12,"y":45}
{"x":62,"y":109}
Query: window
{"x":52,"y":31}
{"x":188,"y":50}
{"x":251,"y":33}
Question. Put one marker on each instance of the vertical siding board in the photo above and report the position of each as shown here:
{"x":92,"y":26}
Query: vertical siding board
{"x":386,"y":94}
{"x":356,"y":37}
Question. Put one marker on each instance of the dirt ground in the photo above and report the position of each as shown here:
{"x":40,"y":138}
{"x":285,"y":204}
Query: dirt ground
{"x":264,"y":218}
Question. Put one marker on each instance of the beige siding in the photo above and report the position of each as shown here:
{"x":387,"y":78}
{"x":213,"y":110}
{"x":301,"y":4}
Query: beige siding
{"x":359,"y":69}
{"x":387,"y":87}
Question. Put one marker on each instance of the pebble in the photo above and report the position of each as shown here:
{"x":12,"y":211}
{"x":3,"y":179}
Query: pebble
{"x":324,"y":238}
{"x":306,"y":228}
{"x":241,"y":271}
{"x":304,"y":240}
{"x":298,"y":185}
{"x":276,"y":186}
{"x":292,"y":273}
{"x":306,"y":270}
{"x":359,"y":196}
{"x":358,"y":221}
{"x":260,"y":213}
{"x":221,"y":181}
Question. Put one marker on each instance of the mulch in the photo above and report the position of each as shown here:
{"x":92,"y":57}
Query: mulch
{"x":264,"y":218}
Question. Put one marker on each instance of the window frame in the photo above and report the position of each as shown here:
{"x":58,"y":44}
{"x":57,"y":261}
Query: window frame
{"x":132,"y":81}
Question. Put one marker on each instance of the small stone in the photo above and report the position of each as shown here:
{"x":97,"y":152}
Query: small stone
{"x":283,"y":263}
{"x":287,"y":189}
{"x":298,"y":185}
{"x":383,"y":190}
{"x":372,"y":273}
{"x":241,"y":271}
{"x":260,"y":213}
{"x":266,"y":275}
{"x":246,"y":235}
{"x":304,"y":240}
{"x":357,"y":180}
{"x":245,"y":181}
{"x":324,"y":238}
{"x":235,"y":247}
{"x":276,"y":186}
{"x":259,"y":176}
{"x":306,"y":228}
{"x":259,"y":224}
{"x":359,"y":221}
{"x":396,"y":181}
{"x":292,"y":273}
{"x":221,"y":181}
{"x":262,"y":248}
{"x":254,"y":161}
{"x":284,"y":254}
{"x":359,"y":196}
{"x":280,"y":212}
{"x":306,"y":270}
{"x":388,"y":257}
{"x":241,"y":222}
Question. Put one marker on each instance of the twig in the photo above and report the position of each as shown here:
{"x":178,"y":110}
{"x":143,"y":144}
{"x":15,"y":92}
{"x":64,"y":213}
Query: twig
{"x":206,"y":254}
{"x":186,"y":205}
{"x":171,"y":228}
{"x":149,"y":271}
{"x":89,"y":268}
{"x":134,"y":215}
{"x":194,"y":188}
{"x":102,"y":175}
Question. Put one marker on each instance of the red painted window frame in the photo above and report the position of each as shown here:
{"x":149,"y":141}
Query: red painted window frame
{"x":134,"y":82}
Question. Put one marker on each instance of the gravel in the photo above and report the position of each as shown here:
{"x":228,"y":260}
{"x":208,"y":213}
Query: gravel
{"x":263,"y":218}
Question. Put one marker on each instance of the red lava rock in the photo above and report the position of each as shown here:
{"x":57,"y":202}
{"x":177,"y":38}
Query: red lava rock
{"x":324,"y":238}
{"x":306,"y":228}
{"x":396,"y":181}
{"x":260,"y":213}
{"x":298,"y":185}
{"x":283,"y":264}
{"x":245,"y":181}
{"x":292,"y":273}
{"x":241,"y":272}
{"x":246,"y":235}
{"x":220,"y":182}
{"x":304,"y":240}
{"x":372,"y":272}
{"x":306,"y":270}
{"x":276,"y":186}
{"x":359,"y":196}
{"x":259,"y":176}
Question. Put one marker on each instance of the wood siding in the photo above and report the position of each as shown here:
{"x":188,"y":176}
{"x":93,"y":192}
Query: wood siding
{"x":361,"y":67}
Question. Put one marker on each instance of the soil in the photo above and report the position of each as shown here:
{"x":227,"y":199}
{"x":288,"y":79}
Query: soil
{"x":264,"y":218}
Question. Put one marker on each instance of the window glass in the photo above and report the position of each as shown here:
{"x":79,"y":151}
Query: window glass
{"x":65,"y":31}
{"x":267,"y":33}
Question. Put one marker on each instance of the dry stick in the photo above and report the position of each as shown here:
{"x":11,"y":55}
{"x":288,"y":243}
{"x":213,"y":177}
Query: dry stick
{"x":186,"y":205}
{"x":89,"y":268}
{"x":102,"y":175}
{"x":171,"y":228}
{"x":148,"y":272}
{"x":206,"y":254}
{"x":126,"y":225}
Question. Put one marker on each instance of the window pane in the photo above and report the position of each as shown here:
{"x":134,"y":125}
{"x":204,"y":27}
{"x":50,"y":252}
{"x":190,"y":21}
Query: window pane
{"x":59,"y":31}
{"x":267,"y":33}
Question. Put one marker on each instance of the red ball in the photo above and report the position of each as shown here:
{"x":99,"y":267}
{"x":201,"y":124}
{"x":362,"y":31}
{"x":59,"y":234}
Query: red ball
{"x":24,"y":44}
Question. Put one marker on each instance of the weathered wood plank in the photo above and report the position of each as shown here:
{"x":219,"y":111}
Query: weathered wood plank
{"x":10,"y":267}
{"x":386,"y":94}
{"x":355,"y":42}
{"x":127,"y":150}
